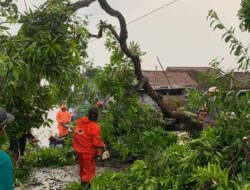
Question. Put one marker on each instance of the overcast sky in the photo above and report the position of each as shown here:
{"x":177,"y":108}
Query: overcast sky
{"x":179,"y":34}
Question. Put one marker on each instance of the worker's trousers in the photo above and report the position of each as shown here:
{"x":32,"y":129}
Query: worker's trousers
{"x":87,"y":166}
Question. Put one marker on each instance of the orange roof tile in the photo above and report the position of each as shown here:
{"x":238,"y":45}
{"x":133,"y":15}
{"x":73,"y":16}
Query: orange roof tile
{"x":177,"y":79}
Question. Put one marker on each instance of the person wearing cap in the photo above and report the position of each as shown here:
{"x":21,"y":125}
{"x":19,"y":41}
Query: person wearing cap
{"x":6,"y":171}
{"x":205,"y":118}
{"x":63,"y":117}
{"x":213,"y":90}
{"x":88,"y":144}
{"x":208,"y":113}
{"x":212,"y":99}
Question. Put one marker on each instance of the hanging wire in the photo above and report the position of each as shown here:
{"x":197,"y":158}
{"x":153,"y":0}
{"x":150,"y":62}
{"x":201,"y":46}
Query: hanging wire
{"x":145,"y":15}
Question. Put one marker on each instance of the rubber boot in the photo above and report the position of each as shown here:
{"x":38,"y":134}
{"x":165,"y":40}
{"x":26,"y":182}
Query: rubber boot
{"x":85,"y":185}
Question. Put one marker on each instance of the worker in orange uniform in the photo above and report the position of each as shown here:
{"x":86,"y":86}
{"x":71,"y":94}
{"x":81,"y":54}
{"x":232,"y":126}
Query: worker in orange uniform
{"x":63,"y":117}
{"x":88,"y":145}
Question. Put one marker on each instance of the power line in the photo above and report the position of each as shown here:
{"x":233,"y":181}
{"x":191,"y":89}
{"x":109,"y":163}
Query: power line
{"x":155,"y":10}
{"x":147,"y":14}
{"x":164,"y":72}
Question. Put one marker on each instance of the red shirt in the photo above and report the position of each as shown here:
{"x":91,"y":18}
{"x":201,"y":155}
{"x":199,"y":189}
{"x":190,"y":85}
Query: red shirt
{"x":87,"y":136}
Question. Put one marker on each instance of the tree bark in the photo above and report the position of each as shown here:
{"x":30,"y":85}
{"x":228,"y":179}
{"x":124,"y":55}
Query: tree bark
{"x":80,"y":4}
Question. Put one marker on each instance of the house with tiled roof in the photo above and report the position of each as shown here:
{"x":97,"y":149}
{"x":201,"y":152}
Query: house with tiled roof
{"x":186,"y":69}
{"x":171,"y":85}
{"x":166,"y":79}
{"x":233,"y":80}
{"x":173,"y":82}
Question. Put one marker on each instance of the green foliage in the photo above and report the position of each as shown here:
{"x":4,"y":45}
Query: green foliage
{"x":134,"y":130}
{"x":73,"y":186}
{"x":196,"y":100}
{"x":131,"y":129}
{"x":199,"y":164}
{"x":212,"y":177}
{"x":90,"y":90}
{"x":168,"y":172}
{"x":126,"y":180}
{"x":236,"y":47}
{"x":8,"y":13}
{"x":21,"y":174}
{"x":244,"y":15}
{"x":50,"y":157}
{"x":41,"y":64}
{"x":202,"y":162}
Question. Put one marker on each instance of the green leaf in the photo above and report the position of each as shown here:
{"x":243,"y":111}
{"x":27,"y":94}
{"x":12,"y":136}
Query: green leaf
{"x":241,"y":59}
{"x":212,"y":23}
{"x":228,"y":38}
{"x":4,"y":28}
{"x":3,"y":71}
{"x":237,"y":51}
{"x":223,"y":36}
{"x":232,"y":48}
{"x":15,"y":73}
{"x":219,"y":26}
{"x":14,"y":7}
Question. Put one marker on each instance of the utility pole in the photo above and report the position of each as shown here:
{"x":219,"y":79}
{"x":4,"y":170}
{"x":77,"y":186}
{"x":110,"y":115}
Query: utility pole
{"x":164,"y":72}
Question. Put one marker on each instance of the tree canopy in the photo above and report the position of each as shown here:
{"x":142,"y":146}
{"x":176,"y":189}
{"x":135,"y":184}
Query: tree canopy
{"x":41,"y":65}
{"x":244,"y":15}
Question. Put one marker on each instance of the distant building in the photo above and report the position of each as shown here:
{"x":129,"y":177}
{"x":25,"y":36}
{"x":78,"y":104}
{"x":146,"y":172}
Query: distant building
{"x":171,"y":85}
{"x":169,"y":79}
{"x":233,"y":80}
{"x":173,"y":82}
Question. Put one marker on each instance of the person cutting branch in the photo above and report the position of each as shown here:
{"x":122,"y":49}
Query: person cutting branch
{"x":88,"y":145}
{"x":63,"y":118}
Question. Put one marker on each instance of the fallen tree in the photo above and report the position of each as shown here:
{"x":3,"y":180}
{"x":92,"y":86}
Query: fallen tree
{"x":143,"y":82}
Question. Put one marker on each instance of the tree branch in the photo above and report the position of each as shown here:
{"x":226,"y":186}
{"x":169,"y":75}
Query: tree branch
{"x":243,"y":147}
{"x":123,"y":26}
{"x":80,"y":4}
{"x":136,"y":88}
{"x":247,"y":152}
{"x":103,"y":25}
{"x":5,"y":22}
